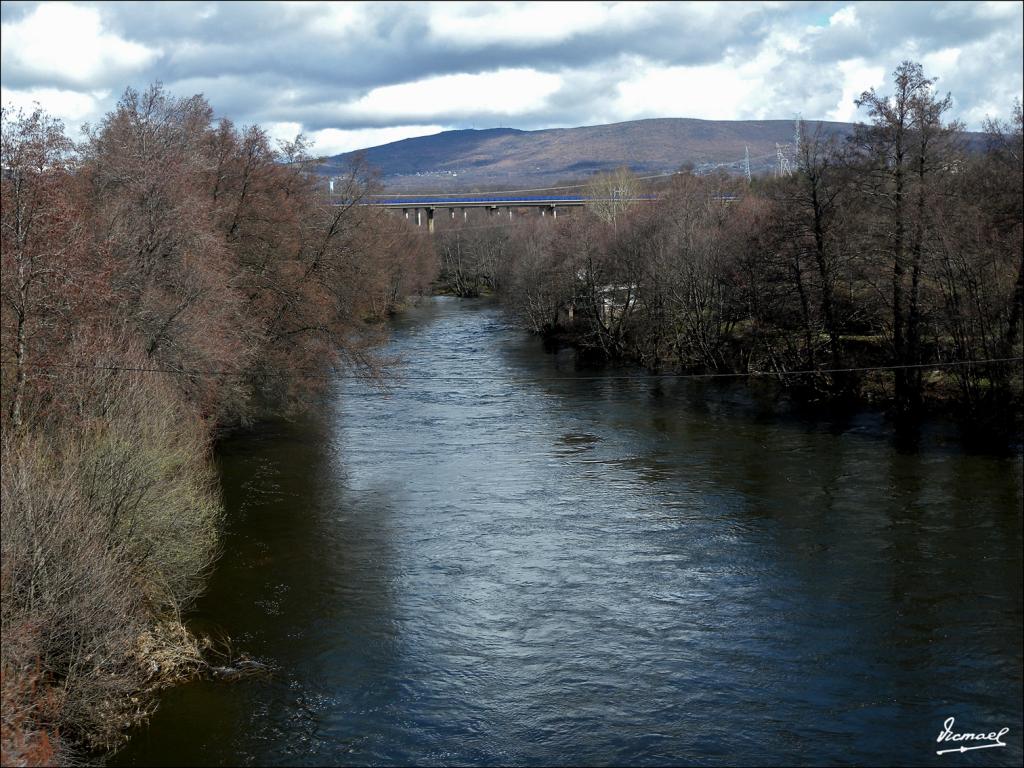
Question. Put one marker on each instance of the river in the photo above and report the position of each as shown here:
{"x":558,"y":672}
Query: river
{"x":508,"y":560}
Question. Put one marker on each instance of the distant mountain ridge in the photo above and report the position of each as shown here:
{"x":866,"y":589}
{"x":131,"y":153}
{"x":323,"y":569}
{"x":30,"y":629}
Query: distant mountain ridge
{"x":466,"y":159}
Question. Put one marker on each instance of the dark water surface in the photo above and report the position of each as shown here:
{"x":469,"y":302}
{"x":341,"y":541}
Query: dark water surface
{"x":544,"y":566}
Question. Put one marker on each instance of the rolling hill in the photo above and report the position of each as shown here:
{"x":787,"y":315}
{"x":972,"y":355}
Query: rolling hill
{"x":498,"y":157}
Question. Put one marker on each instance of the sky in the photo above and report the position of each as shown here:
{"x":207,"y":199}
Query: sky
{"x":353,"y":75}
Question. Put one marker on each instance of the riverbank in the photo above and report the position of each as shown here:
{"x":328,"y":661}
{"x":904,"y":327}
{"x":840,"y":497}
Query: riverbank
{"x":987,"y":419}
{"x":986,"y":427}
{"x":177,"y":277}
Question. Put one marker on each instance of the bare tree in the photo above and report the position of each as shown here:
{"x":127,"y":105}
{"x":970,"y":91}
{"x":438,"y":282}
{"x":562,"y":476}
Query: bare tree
{"x":610,"y":196}
{"x":904,"y":149}
{"x":41,"y":241}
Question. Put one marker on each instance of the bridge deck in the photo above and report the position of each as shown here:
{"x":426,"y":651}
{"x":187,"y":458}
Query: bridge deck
{"x":465,"y":201}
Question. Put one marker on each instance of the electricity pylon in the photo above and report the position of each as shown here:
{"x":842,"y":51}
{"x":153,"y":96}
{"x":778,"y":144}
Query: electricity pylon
{"x":798,"y":139}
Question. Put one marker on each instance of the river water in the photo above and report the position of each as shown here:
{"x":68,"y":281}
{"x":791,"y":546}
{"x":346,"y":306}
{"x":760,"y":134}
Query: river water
{"x":508,"y":560}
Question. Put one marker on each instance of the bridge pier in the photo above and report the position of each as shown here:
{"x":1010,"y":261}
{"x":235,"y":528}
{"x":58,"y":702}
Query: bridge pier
{"x":546,"y":205}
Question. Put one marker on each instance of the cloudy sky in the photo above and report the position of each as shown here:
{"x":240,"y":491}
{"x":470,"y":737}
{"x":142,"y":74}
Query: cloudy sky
{"x":352,"y":75}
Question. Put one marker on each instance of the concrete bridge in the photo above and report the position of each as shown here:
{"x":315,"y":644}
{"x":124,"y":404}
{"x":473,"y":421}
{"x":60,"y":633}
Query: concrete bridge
{"x":424,"y":206}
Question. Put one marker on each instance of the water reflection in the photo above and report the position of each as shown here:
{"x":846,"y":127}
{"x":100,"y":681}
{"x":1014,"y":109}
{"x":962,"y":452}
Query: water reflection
{"x":544,"y":565}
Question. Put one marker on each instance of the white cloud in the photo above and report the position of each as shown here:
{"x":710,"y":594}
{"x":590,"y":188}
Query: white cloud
{"x":844,"y":17}
{"x":372,"y":73}
{"x":736,"y":88}
{"x":73,"y":108}
{"x":998,"y":9}
{"x":858,"y":76}
{"x":504,"y":92}
{"x":70,"y":106}
{"x":282,"y":131}
{"x":332,"y":141}
{"x":68,"y":42}
{"x":527,"y":24}
{"x":337,"y":19}
{"x":941,"y":62}
{"x":715,"y":92}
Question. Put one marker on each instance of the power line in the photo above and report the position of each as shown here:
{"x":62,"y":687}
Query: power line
{"x":399,"y":378}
